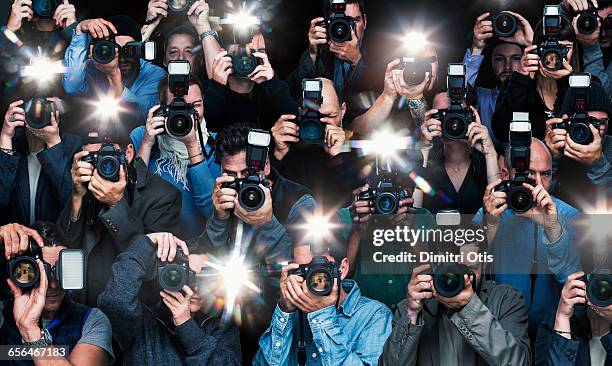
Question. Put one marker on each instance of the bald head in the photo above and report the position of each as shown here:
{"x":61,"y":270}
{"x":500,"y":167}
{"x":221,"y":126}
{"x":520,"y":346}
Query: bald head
{"x":540,"y":163}
{"x":331,"y":107}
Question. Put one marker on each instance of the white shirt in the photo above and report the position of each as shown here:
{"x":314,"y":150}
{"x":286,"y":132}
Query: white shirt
{"x":598,"y":352}
{"x":34,"y":168}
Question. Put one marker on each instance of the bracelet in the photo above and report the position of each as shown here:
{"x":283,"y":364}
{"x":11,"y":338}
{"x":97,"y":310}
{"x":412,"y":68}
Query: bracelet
{"x":561,"y":332}
{"x":194,"y":155}
{"x":210,"y":32}
{"x":8,"y":151}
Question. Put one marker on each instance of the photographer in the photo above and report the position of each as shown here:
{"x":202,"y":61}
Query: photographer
{"x":181,"y":43}
{"x":534,"y":250}
{"x":314,"y":165}
{"x":595,"y":46}
{"x":460,"y":170}
{"x":388,"y":106}
{"x":176,"y":331}
{"x":535,"y":88}
{"x":34,"y":165}
{"x":340,"y":328}
{"x":179,"y":160}
{"x":103,"y":215}
{"x":45,"y":317}
{"x":485,"y":323}
{"x":125,"y":78}
{"x":344,"y":63}
{"x":580,"y":167}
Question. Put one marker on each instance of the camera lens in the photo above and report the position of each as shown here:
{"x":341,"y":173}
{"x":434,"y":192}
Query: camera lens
{"x":339,"y":31}
{"x":311,"y":131}
{"x":104,"y":52}
{"x":581,"y":133}
{"x":449,"y":284}
{"x":386,"y":203}
{"x":414,"y":73}
{"x":179,"y":125}
{"x":108,"y":167}
{"x":552,"y":60}
{"x":178,"y":6}
{"x":504,"y":25}
{"x":520,"y":199}
{"x":172,"y":277}
{"x":38,"y":113}
{"x":244,"y":65}
{"x":455,"y":127}
{"x":24,"y":272}
{"x":320,"y":283}
{"x":251,"y":197}
{"x":586,"y":23}
{"x":600,"y":290}
{"x":44,"y":8}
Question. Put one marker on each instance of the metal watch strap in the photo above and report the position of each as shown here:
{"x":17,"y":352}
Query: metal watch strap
{"x":416,"y":103}
{"x":210,"y":32}
{"x":44,"y":341}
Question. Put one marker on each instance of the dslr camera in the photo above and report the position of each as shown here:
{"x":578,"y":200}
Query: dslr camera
{"x":180,"y":6}
{"x":385,"y":193}
{"x":551,"y":52}
{"x":504,"y":24}
{"x":250,"y":195}
{"x":587,"y":20}
{"x":337,"y":23}
{"x":243,"y":29}
{"x":312,"y":129}
{"x":415,"y":69}
{"x":44,"y":9}
{"x":179,"y":114}
{"x":105,"y":50}
{"x":578,"y":124}
{"x":599,"y":287}
{"x":456,"y":119}
{"x":69,"y":269}
{"x":107,"y":161}
{"x":519,"y":198}
{"x":319,"y":275}
{"x":173,"y":276}
{"x":38,"y":112}
{"x":448,"y":278}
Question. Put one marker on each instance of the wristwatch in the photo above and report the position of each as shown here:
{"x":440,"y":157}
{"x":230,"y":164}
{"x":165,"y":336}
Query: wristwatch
{"x":44,"y":341}
{"x":416,"y":103}
{"x":210,"y":32}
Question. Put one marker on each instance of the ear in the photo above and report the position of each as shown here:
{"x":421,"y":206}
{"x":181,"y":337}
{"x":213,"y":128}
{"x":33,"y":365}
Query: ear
{"x":129,"y":152}
{"x":267,"y":168}
{"x":342,"y":111}
{"x":344,"y":268}
{"x":365,"y":21}
{"x":501,"y":162}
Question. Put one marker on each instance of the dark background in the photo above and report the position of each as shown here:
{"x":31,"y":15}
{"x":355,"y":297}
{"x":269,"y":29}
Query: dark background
{"x":450,"y":21}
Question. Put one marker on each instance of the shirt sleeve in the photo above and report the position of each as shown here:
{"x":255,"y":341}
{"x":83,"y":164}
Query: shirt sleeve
{"x":593,"y":64}
{"x":472,"y":63}
{"x":74,"y":81}
{"x":276,"y":344}
{"x":97,"y":331}
{"x":201,"y":178}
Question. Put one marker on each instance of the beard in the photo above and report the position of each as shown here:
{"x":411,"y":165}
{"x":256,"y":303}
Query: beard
{"x":130,"y":68}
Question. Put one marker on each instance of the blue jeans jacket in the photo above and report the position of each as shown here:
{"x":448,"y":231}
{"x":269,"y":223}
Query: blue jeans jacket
{"x":353,"y":334}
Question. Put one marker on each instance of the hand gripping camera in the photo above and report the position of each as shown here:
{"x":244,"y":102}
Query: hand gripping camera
{"x":319,"y":275}
{"x":599,"y":287}
{"x":385,"y":193}
{"x":551,"y":52}
{"x":519,"y":198}
{"x":107,"y":161}
{"x":179,"y":114}
{"x":456,"y":119}
{"x":173,"y":276}
{"x":250,"y":195}
{"x":504,"y":24}
{"x":578,"y":124}
{"x":105,"y":50}
{"x":312,"y":129}
{"x":587,"y":20}
{"x":415,"y":69}
{"x":38,"y":112}
{"x":69,"y":269}
{"x":448,"y":278}
{"x":337,"y":23}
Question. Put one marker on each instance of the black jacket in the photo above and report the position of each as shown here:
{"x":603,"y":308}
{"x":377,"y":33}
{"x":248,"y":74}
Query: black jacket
{"x":54,"y":183}
{"x":155,"y":207}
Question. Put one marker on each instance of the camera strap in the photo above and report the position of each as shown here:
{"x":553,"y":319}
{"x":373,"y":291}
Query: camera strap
{"x":153,"y":20}
{"x":210,"y":141}
{"x":301,"y":353}
{"x":534,"y":264}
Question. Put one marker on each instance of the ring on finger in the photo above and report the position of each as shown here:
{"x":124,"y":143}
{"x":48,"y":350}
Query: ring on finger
{"x":13,"y":118}
{"x":430,"y":128}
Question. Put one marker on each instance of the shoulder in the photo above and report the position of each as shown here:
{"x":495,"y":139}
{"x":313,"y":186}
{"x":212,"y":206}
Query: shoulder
{"x":374,"y":308}
{"x":71,"y":140}
{"x":506,"y":294}
{"x":152,"y":69}
{"x":137,"y":134}
{"x":564,"y":208}
{"x":97,"y":319}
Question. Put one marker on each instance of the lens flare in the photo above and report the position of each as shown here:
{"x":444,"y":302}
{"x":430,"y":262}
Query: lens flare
{"x":318,"y":227}
{"x":384,"y":143}
{"x":415,"y":42}
{"x":107,"y":108}
{"x":42,"y":70}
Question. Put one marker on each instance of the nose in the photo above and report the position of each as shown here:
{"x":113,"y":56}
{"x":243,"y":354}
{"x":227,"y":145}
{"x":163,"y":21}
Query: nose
{"x":53,"y":283}
{"x":538,"y":178}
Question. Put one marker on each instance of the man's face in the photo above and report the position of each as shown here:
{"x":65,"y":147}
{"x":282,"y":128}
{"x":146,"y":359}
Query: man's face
{"x":605,"y":37}
{"x":303,"y":255}
{"x":196,"y":263}
{"x":194,"y":96}
{"x":128,"y":66}
{"x":55,"y":294}
{"x":506,"y":58}
{"x":331,"y":105}
{"x":354,"y":11}
{"x":540,"y":165}
{"x":180,"y":47}
{"x":235,"y":165}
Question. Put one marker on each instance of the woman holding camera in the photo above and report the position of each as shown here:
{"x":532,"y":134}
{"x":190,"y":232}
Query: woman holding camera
{"x":540,"y":85}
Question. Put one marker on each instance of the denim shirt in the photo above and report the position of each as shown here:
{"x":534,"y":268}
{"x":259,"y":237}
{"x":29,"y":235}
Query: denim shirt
{"x":513,"y":250}
{"x":82,"y":76}
{"x":353,"y":334}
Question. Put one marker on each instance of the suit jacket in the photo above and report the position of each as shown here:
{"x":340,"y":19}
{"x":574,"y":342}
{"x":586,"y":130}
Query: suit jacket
{"x":54,"y":185}
{"x":493,"y":324}
{"x":155,"y":207}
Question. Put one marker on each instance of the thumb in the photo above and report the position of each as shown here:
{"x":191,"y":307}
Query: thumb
{"x":122,"y":175}
{"x":14,"y":288}
{"x":595,"y":132}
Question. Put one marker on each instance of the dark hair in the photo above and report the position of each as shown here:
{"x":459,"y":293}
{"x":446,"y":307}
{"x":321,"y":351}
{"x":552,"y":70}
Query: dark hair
{"x":50,"y":233}
{"x":188,"y":31}
{"x":486,"y":76}
{"x":361,"y":4}
{"x":163,"y":87}
{"x":566,"y":33}
{"x":232,"y":140}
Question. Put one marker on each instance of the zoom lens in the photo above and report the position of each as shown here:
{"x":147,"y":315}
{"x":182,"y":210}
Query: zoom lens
{"x":108,"y":167}
{"x":178,"y":6}
{"x":24,"y":272}
{"x":104,"y":52}
{"x":581,"y":133}
{"x":179,"y":124}
{"x":320,"y":283}
{"x":600,"y":290}
{"x":386,"y":203}
{"x":552,"y":60}
{"x":311,"y":131}
{"x":586,"y":23}
{"x":44,"y":8}
{"x":455,"y":128}
{"x":38,"y":113}
{"x":172,"y":277}
{"x":449,"y":284}
{"x":340,"y":31}
{"x":414,"y":73}
{"x":251,"y":197}
{"x":244,"y":65}
{"x":504,"y":25}
{"x":520,"y":199}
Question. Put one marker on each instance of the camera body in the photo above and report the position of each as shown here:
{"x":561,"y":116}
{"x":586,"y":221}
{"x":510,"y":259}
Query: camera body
{"x":179,"y":114}
{"x":312,"y":130}
{"x":244,"y":63}
{"x":587,"y":20}
{"x":136,"y":50}
{"x":504,"y":24}
{"x":456,"y":118}
{"x":173,"y":276}
{"x":519,"y":198}
{"x":38,"y":112}
{"x":319,"y":275}
{"x":599,"y":287}
{"x":44,"y":9}
{"x":415,"y":69}
{"x":551,"y":52}
{"x":448,"y":278}
{"x":338,"y":24}
{"x":180,"y":6}
{"x":386,"y":194}
{"x":578,"y":124}
{"x":107,"y":161}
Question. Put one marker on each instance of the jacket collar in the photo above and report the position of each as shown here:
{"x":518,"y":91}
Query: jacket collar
{"x":142,"y":173}
{"x":349,"y":306}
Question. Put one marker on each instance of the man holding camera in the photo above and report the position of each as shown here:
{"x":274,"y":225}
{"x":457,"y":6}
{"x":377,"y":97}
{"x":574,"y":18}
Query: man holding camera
{"x":44,"y":317}
{"x":124,"y":76}
{"x":534,"y":249}
{"x":35,"y":163}
{"x":323,"y":321}
{"x":107,"y":210}
{"x":484,"y":323}
{"x":177,"y":330}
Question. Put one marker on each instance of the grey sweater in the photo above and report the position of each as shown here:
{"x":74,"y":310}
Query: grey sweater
{"x":144,"y":339}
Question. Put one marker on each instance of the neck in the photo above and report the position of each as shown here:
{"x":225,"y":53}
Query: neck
{"x":547,"y":85}
{"x":343,"y":295}
{"x":240,"y":86}
{"x":48,"y":315}
{"x":456,"y":153}
{"x":34,"y":143}
{"x":599,"y":325}
{"x":44,"y":25}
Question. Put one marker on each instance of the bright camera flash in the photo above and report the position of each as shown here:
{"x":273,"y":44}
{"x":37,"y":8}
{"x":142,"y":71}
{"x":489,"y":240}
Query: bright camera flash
{"x":415,"y":41}
{"x":385,"y":144}
{"x":107,"y":108}
{"x":42,"y":70}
